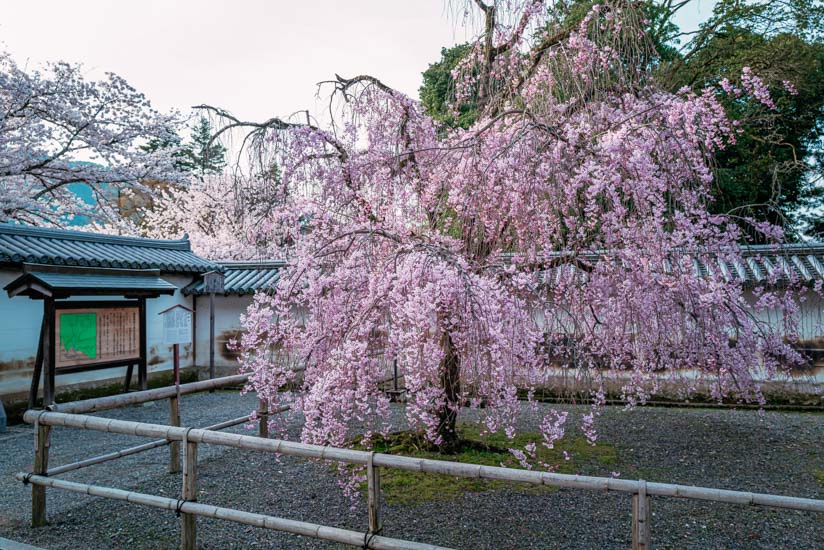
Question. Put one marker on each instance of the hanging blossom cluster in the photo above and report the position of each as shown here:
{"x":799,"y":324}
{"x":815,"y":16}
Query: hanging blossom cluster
{"x":560,"y":232}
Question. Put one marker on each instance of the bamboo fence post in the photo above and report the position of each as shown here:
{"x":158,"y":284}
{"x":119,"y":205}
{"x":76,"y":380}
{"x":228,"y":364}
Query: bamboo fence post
{"x":641,"y":518}
{"x":188,"y":522}
{"x":373,"y":479}
{"x":174,"y":447}
{"x":263,"y":418}
{"x":42,"y":438}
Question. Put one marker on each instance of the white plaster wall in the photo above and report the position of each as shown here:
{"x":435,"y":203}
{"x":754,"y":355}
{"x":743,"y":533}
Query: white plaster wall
{"x":19,"y":323}
{"x":228,"y":310}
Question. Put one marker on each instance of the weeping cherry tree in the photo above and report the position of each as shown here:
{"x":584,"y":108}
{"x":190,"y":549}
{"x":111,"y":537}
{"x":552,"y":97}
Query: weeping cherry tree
{"x":558,"y":232}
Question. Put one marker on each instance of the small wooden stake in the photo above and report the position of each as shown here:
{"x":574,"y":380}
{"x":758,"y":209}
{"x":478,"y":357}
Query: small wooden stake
{"x":188,"y":522}
{"x":641,"y":518}
{"x":174,"y":447}
{"x":41,"y":466}
{"x":263,"y":418}
{"x":373,"y":479}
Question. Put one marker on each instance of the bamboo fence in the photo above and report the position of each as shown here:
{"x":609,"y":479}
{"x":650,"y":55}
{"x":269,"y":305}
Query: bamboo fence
{"x":640,"y":490}
{"x":70,"y":415}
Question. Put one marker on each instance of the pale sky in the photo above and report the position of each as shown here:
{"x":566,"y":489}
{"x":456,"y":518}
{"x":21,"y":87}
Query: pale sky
{"x":252,"y":57}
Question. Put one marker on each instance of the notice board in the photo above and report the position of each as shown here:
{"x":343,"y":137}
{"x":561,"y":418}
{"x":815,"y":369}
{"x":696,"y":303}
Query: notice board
{"x":177,"y":325}
{"x":86,"y":336}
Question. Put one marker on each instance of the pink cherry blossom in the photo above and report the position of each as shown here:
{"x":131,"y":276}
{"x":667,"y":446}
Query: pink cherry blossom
{"x":559,"y":233}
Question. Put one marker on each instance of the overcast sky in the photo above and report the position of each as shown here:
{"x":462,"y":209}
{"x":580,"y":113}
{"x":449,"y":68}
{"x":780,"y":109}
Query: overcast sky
{"x":252,"y":57}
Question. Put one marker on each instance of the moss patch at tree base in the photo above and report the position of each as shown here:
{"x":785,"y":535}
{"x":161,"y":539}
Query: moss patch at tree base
{"x":405,"y":487}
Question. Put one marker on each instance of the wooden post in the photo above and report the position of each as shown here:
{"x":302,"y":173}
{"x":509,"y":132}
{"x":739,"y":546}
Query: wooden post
{"x":395,"y":376}
{"x":176,"y":363}
{"x":38,"y":363}
{"x":373,"y":479}
{"x":174,"y":447}
{"x":194,"y":334}
{"x":211,"y":335}
{"x":641,"y":516}
{"x":48,"y":353}
{"x":127,"y":382}
{"x":263,"y":418}
{"x":188,"y":522}
{"x":142,"y":369}
{"x":41,"y":467}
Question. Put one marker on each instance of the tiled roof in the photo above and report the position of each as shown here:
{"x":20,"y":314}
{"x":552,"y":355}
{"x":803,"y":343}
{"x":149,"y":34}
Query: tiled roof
{"x":85,"y":283}
{"x":804,"y":262}
{"x":22,"y":244}
{"x":801,"y":262}
{"x":240,"y":278}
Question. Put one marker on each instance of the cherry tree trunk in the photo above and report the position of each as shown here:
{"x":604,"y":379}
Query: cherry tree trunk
{"x":450,"y":370}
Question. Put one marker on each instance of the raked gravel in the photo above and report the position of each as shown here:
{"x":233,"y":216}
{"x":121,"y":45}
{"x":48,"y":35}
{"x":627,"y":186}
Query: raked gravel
{"x":745,"y":450}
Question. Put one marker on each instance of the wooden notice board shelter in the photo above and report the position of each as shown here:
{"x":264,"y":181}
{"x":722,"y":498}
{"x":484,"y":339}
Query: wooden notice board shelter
{"x":80,"y":335}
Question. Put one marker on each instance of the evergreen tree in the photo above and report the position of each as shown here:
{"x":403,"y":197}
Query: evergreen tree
{"x":438,"y":89}
{"x":202,"y":156}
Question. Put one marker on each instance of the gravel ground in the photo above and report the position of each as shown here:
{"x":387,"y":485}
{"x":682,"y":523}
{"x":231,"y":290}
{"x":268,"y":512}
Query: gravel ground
{"x":744,"y":450}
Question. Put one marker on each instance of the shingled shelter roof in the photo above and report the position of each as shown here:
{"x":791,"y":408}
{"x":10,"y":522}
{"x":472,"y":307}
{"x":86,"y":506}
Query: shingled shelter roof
{"x":22,"y":244}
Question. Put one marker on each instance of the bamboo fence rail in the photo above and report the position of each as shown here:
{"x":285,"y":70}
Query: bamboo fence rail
{"x":71,"y":415}
{"x":138,"y":397}
{"x":334,"y":534}
{"x":640,"y":490}
{"x":173,"y":393}
{"x":62,"y":469}
{"x":352,"y":456}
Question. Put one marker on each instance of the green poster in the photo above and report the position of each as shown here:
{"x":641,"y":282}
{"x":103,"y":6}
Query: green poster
{"x":78,"y":333}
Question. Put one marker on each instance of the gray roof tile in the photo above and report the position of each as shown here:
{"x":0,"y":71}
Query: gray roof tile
{"x":22,"y":244}
{"x":240,"y":278}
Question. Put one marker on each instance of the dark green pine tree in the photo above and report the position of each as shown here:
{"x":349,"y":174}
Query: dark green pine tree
{"x":201,"y":156}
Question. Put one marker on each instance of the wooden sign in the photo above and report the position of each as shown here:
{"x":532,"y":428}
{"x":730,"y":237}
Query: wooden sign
{"x":177,"y":325}
{"x":87,"y":336}
{"x":213,"y":282}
